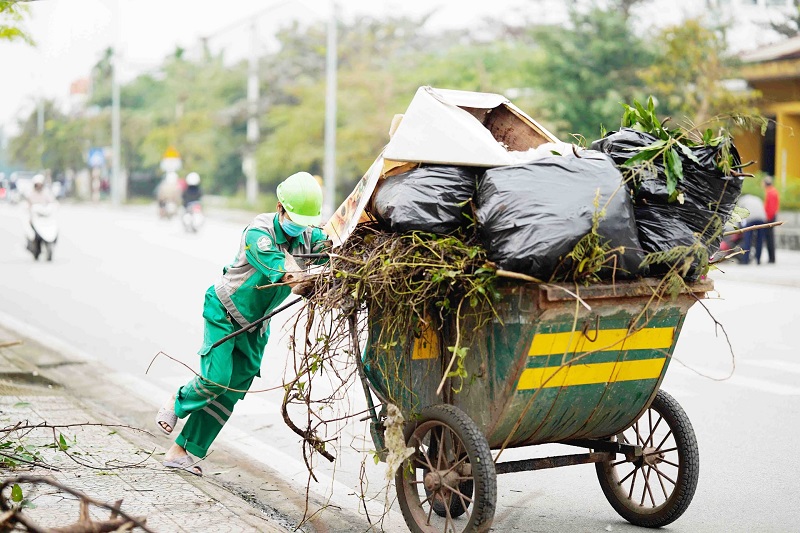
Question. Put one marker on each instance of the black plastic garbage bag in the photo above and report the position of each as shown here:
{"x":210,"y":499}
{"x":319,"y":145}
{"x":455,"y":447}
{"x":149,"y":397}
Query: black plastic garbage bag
{"x":430,"y":198}
{"x":531,"y":216}
{"x":709,"y":196}
{"x":652,"y":230}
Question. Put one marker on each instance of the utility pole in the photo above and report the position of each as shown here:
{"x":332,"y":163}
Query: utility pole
{"x":117,"y":185}
{"x":249,"y":161}
{"x":40,"y":115}
{"x":329,"y":170}
{"x":40,"y":128}
{"x":249,"y":167}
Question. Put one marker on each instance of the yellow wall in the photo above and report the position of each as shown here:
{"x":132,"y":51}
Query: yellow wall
{"x":787,"y":147}
{"x":780,"y":98}
{"x":749,"y":145}
{"x":777,"y":91}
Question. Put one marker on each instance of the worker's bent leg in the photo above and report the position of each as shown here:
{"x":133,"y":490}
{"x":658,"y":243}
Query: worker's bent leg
{"x":204,"y":424}
{"x":216,"y":367}
{"x":215,"y":364}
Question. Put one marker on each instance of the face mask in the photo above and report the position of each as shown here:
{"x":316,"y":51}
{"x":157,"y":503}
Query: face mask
{"x":292,"y":229}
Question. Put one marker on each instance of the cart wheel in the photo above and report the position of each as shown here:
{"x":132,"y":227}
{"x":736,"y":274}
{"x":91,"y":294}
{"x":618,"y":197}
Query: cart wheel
{"x":451,"y":456}
{"x":655,"y":489}
{"x":457,"y":508}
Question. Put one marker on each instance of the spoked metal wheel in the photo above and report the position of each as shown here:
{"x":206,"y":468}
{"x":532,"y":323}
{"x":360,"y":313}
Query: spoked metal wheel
{"x":449,"y":484}
{"x":655,"y":489}
{"x":457,"y":506}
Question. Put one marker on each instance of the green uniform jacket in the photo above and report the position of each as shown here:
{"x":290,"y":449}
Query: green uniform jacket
{"x":260,"y":261}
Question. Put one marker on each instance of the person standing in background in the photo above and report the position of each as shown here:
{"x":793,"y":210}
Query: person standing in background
{"x":755,"y":217}
{"x":771,"y":206}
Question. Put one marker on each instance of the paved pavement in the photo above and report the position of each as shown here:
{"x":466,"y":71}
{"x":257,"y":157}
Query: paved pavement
{"x":107,"y":461}
{"x":171,"y":501}
{"x":785,"y":270}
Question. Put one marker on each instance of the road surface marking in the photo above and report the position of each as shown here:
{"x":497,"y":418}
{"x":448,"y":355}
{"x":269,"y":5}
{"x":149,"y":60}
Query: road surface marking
{"x":773,"y":364}
{"x":762,"y":385}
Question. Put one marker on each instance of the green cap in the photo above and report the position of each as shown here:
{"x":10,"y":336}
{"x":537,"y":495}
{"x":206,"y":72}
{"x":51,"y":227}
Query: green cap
{"x":301,"y":196}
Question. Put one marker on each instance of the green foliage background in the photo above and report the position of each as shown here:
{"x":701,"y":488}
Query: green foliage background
{"x":571,"y":78}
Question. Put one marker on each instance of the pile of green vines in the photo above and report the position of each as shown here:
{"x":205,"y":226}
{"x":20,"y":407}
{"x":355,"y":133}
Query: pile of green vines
{"x":408,"y":281}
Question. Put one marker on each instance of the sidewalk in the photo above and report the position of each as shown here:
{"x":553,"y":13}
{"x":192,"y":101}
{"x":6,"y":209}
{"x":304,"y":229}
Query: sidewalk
{"x":785,"y":271}
{"x":106,"y":462}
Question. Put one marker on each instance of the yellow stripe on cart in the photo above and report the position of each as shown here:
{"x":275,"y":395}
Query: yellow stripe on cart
{"x":592,"y":373}
{"x":601,"y":340}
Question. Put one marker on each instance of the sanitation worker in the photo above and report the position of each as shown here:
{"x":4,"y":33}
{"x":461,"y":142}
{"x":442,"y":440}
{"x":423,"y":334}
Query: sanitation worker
{"x":233,"y":303}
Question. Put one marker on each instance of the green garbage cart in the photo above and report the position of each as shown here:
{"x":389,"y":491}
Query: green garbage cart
{"x":549,"y":367}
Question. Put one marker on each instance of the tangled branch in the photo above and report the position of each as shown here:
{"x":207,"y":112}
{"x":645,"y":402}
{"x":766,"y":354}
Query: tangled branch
{"x":13,"y":515}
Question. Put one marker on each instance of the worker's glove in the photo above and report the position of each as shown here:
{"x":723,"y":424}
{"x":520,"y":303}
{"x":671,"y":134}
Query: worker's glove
{"x":322,"y":247}
{"x":304,"y":288}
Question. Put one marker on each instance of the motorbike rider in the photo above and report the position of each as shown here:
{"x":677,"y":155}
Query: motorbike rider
{"x":39,"y":195}
{"x":41,"y":202}
{"x":192,"y":210}
{"x":193,"y":192}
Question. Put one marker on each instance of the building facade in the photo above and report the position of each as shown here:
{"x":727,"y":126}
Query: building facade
{"x":774,"y":71}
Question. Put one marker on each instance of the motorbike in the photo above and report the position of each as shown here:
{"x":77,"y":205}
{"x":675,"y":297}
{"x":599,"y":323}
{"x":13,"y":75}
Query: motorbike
{"x":193,"y":217}
{"x":167,"y":209}
{"x":43,"y":230}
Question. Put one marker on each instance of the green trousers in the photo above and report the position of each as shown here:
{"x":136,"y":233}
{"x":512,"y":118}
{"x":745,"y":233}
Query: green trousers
{"x":206,"y":400}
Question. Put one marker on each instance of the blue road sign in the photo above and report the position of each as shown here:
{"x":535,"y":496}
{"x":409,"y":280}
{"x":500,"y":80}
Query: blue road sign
{"x":97,"y":158}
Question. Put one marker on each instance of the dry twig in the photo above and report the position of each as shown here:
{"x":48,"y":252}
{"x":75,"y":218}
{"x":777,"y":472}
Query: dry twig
{"x":117,"y":521}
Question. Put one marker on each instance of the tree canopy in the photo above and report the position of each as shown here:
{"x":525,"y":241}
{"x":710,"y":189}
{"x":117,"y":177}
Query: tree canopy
{"x":587,"y":69}
{"x":12,"y":15}
{"x":689,"y":73}
{"x":573,"y":79}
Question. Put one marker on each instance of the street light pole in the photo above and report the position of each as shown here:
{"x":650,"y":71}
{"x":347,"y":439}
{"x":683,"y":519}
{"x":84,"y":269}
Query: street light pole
{"x":118,"y":188}
{"x":117,"y":192}
{"x":40,"y":128}
{"x":249,"y":162}
{"x":329,"y":170}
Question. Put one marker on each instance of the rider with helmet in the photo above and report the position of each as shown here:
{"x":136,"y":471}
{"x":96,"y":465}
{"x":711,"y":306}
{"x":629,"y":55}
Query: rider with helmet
{"x":192,"y":210}
{"x":192,"y":193}
{"x":42,"y":230}
{"x":40,"y":195}
{"x":234,"y":303}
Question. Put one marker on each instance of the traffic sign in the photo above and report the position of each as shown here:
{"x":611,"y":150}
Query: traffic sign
{"x":97,"y":158}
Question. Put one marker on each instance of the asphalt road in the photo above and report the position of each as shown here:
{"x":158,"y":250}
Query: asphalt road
{"x":124,"y":285}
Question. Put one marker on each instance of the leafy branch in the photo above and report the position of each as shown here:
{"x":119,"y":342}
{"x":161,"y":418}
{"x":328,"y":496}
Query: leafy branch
{"x":13,"y":13}
{"x":673,"y":144}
